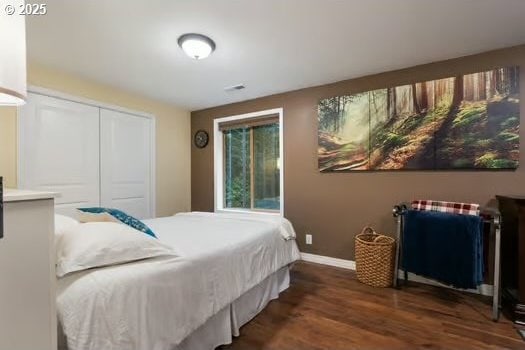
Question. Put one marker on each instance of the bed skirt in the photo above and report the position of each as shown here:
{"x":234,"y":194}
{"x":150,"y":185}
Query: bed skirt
{"x":224,"y":325}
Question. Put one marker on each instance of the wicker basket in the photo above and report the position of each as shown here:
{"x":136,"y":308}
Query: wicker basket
{"x":374,"y":258}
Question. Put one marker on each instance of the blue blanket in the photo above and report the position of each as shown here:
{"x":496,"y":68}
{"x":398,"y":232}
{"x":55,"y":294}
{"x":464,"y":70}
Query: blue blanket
{"x":445,"y":247}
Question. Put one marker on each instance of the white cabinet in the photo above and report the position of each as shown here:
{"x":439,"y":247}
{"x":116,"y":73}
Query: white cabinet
{"x":27,"y":273}
{"x":91,"y":155}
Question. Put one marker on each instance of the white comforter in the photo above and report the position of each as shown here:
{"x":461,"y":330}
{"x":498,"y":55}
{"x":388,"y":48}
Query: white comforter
{"x":154,"y":304}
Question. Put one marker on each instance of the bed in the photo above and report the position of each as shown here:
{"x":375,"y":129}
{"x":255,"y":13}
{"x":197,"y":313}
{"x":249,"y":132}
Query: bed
{"x":227,"y":268}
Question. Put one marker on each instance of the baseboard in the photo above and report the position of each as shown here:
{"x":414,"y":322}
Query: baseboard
{"x":484,"y":289}
{"x":326,"y":260}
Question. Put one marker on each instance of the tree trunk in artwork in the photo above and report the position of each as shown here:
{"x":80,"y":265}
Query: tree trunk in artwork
{"x":514,"y":80}
{"x":497,"y":79}
{"x":509,"y":73}
{"x":482,"y":86}
{"x":394,"y":102}
{"x":506,"y":80}
{"x":374,"y":101}
{"x":439,"y":90}
{"x":388,"y":104}
{"x":424,"y":96}
{"x":466,"y":88}
{"x":414,"y":100}
{"x":492,"y":89}
{"x":334,"y":116}
{"x":469,"y":87}
{"x":458,"y":91}
{"x":474,"y":87}
{"x":337,"y":115}
{"x":434,"y":103}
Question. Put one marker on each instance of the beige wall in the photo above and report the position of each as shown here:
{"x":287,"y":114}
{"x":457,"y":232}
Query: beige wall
{"x":335,"y":206}
{"x":173,"y":134}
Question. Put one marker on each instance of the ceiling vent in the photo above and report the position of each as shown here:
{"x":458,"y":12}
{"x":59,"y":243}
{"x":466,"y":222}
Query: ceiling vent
{"x":234,"y":87}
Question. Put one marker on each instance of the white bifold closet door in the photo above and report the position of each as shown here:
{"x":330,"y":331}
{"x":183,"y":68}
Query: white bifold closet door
{"x":125,"y":162}
{"x":91,"y":155}
{"x":59,"y":150}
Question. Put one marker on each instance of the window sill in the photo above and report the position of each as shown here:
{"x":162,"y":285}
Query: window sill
{"x":248,"y":211}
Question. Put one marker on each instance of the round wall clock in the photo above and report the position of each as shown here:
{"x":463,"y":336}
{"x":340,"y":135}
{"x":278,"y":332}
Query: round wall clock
{"x":201,"y":139}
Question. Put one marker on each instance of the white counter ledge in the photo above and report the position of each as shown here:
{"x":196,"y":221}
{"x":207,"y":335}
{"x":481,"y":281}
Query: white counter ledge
{"x":13,"y":195}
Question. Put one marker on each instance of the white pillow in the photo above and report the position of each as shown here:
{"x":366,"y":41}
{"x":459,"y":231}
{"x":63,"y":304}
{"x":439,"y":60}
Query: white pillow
{"x":95,"y":217}
{"x":63,"y":222}
{"x":96,"y":244}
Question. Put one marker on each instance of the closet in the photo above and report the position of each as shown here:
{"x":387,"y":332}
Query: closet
{"x":91,"y":154}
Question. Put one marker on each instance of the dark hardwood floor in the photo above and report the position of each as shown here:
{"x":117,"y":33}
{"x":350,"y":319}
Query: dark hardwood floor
{"x":327,"y":308}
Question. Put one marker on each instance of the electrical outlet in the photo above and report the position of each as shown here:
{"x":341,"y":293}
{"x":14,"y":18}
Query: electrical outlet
{"x":308,"y":239}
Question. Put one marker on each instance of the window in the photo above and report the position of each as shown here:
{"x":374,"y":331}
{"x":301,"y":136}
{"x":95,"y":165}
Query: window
{"x":248,"y":156}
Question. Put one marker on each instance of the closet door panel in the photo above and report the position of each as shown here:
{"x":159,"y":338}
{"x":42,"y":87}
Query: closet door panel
{"x":59,"y":150}
{"x":126,"y":163}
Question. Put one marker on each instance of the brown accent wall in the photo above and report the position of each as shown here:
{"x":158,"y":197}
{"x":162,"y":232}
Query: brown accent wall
{"x":333,"y":207}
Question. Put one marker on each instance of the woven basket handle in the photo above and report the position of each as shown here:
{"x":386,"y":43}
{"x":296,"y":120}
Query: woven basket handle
{"x":368,"y":229}
{"x":381,"y":238}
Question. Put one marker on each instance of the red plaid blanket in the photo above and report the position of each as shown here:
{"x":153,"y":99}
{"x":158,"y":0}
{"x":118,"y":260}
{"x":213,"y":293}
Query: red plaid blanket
{"x":446,"y":207}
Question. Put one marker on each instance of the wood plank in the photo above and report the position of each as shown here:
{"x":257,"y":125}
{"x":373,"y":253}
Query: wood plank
{"x":327,"y":308}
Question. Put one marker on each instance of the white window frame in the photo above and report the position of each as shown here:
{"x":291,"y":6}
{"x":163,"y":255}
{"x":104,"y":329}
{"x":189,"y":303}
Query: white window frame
{"x":218,"y":150}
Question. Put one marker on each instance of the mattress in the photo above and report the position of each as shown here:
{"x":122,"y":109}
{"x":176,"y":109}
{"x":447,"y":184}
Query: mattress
{"x":157,"y":303}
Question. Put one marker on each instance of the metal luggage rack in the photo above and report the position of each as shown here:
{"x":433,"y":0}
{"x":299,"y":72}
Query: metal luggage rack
{"x":490,"y":216}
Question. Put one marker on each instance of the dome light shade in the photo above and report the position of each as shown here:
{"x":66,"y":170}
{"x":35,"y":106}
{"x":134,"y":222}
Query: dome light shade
{"x":13,"y":85}
{"x":196,"y":46}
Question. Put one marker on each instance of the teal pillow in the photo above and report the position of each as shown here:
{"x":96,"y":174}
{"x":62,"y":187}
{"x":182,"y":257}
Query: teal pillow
{"x":122,"y":217}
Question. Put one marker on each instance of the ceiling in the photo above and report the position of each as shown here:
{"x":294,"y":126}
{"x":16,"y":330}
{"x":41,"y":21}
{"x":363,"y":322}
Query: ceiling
{"x":270,"y":46}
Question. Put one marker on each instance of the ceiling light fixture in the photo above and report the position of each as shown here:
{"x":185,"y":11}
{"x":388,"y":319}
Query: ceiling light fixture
{"x":234,"y":87}
{"x":12,"y":56}
{"x":196,"y":46}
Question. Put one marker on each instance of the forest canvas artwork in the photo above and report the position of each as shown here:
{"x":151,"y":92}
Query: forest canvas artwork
{"x":464,"y":122}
